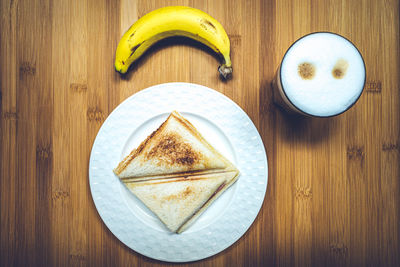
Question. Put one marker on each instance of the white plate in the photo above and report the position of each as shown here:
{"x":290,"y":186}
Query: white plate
{"x":225,"y":125}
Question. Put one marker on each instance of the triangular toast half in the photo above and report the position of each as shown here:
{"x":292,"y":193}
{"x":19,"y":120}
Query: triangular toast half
{"x":177,"y":202}
{"x":176,"y":148}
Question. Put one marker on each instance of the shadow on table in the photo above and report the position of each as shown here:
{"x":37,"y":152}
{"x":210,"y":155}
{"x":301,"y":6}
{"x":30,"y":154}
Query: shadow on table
{"x":292,"y":127}
{"x":298,"y":128}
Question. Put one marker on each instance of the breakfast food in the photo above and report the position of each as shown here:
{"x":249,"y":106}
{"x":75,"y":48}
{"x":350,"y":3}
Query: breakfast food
{"x":176,"y":173}
{"x":173,"y":21}
{"x":179,"y":201}
{"x":175,"y":148}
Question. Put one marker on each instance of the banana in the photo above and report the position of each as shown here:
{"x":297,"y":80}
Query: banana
{"x":173,"y":21}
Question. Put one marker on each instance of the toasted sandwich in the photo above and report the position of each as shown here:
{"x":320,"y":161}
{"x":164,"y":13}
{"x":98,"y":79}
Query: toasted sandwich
{"x":176,"y":173}
{"x":175,"y":148}
{"x":178,"y":202}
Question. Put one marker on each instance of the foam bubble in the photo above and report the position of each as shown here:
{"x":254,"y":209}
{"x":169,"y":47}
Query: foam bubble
{"x":322,"y":74}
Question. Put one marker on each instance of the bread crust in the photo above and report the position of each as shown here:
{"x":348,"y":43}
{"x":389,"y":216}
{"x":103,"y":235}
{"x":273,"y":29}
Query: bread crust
{"x":184,"y":160}
{"x":134,"y":153}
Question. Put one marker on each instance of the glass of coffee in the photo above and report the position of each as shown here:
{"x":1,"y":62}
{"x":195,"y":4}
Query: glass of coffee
{"x":321,"y":75}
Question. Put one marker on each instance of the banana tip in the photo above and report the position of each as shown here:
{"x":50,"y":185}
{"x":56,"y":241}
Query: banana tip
{"x":120,"y":70}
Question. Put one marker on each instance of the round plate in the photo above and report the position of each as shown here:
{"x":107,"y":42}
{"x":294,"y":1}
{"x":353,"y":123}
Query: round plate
{"x":223,"y":124}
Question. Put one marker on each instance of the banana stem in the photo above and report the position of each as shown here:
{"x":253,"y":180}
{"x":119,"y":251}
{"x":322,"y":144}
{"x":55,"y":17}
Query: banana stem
{"x":225,"y":71}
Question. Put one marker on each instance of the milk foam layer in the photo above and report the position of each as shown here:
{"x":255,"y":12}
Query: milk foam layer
{"x":338,"y":78}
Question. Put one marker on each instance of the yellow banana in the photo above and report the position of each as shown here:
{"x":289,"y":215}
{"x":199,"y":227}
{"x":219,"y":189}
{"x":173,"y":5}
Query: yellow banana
{"x":173,"y":21}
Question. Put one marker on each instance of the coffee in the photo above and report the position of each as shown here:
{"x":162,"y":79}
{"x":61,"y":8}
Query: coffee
{"x":322,"y":74}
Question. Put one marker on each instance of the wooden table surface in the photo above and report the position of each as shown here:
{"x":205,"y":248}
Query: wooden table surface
{"x":333,"y":189}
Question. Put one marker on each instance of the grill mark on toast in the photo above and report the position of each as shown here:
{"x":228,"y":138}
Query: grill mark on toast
{"x":202,"y":206}
{"x":189,"y":126}
{"x":188,"y":191}
{"x":127,"y":160}
{"x":185,"y":123}
{"x":174,"y":151}
{"x":185,"y":174}
{"x":182,"y":178}
{"x":224,"y":186}
{"x":164,"y":181}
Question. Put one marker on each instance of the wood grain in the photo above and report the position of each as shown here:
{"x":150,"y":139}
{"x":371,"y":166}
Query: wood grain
{"x":333,"y":196}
